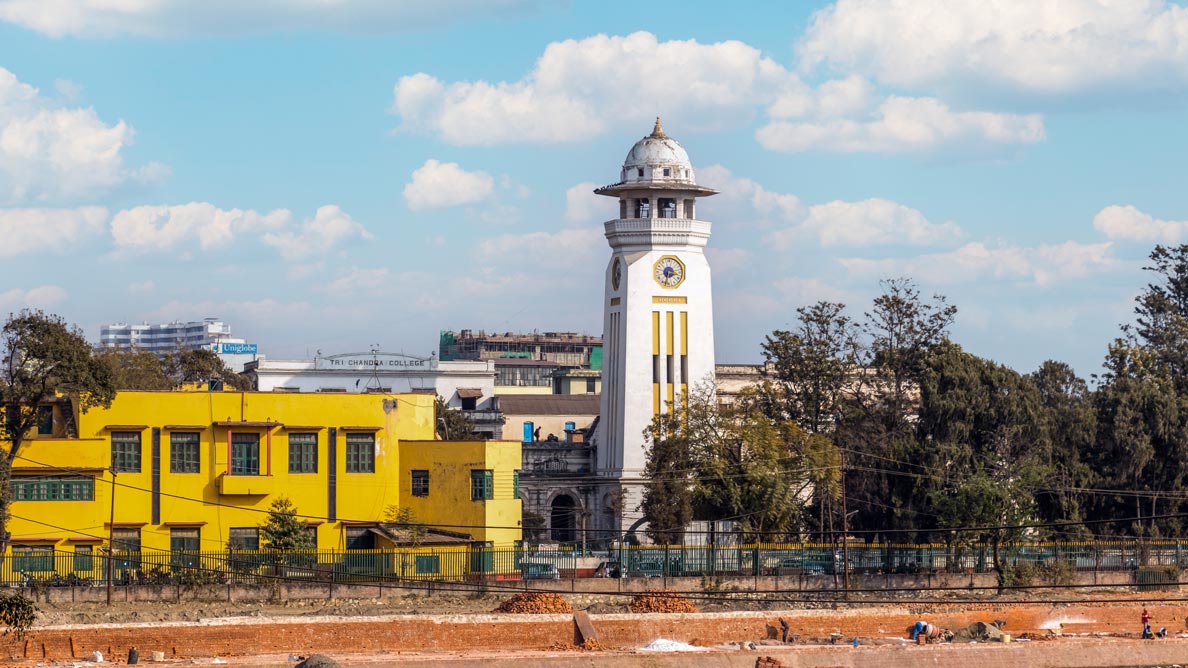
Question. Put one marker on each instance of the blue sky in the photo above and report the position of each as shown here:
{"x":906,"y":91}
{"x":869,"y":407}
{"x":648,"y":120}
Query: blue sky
{"x":335,"y":175}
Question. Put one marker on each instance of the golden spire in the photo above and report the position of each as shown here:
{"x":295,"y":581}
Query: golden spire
{"x":658,"y":131}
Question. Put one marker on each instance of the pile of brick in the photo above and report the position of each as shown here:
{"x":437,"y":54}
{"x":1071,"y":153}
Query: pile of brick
{"x":661,"y":600}
{"x":536,"y":604}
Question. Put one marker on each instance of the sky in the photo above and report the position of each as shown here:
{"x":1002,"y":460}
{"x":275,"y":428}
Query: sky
{"x":333,"y":175}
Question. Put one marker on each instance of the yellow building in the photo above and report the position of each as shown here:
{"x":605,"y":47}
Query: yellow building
{"x":197,"y":471}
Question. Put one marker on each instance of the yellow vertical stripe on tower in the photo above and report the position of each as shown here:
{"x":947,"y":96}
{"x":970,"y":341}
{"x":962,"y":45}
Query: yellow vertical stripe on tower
{"x":655,"y":399}
{"x":684,"y":396}
{"x":655,"y":332}
{"x":669,"y":332}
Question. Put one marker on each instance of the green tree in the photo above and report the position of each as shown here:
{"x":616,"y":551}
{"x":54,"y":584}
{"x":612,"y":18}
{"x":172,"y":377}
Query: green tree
{"x":201,"y":366}
{"x":452,"y":424}
{"x":404,"y":519}
{"x":42,"y":357}
{"x":668,"y":494}
{"x":1069,"y":423}
{"x":1162,"y":313}
{"x":283,"y":532}
{"x":811,"y":367}
{"x":135,"y":369}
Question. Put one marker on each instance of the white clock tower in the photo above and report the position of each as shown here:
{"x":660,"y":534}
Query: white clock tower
{"x":658,"y":331}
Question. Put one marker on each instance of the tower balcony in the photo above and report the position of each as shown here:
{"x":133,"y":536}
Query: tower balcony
{"x":649,"y":232}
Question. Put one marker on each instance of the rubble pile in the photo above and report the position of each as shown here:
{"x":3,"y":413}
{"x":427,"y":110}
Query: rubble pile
{"x":536,"y":604}
{"x":661,"y":600}
{"x":591,"y":645}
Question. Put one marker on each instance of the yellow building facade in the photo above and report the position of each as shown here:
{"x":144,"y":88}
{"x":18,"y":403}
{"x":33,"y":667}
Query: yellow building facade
{"x":198,"y":471}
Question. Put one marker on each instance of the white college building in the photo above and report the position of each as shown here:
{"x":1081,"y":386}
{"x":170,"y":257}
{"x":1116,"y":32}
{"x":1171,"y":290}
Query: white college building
{"x":658,"y":335}
{"x":468,"y":385}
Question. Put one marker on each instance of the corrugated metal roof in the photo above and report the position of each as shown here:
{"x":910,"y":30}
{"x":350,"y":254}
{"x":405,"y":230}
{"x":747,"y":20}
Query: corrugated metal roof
{"x":549,"y":404}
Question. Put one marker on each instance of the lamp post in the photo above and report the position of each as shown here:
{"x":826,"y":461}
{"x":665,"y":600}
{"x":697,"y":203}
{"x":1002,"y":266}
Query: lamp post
{"x":110,"y":535}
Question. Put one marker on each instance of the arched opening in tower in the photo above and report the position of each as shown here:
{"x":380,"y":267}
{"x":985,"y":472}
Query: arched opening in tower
{"x":562,"y":519}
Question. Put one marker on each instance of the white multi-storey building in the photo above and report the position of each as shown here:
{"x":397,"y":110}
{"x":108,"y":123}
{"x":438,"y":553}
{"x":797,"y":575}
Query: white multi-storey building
{"x":210,"y":334}
{"x":658,"y":336}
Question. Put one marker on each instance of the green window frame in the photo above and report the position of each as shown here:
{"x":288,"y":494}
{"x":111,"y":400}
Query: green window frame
{"x":53,"y":488}
{"x":184,"y":545}
{"x":428,"y":564}
{"x":515,"y":484}
{"x":360,"y":453}
{"x":303,"y":453}
{"x":482,"y":485}
{"x":243,"y":538}
{"x":125,"y":451}
{"x":84,"y":558}
{"x":185,"y":452}
{"x":32,"y":558}
{"x":245,"y":454}
{"x":420,"y":483}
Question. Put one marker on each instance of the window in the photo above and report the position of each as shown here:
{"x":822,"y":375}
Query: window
{"x":482,"y":485}
{"x":183,"y":452}
{"x":45,"y":420}
{"x":469,"y":403}
{"x":360,"y":453}
{"x":125,"y":451}
{"x":303,"y":453}
{"x":667,"y":171}
{"x":32,"y":558}
{"x":53,"y":488}
{"x":420,"y":483}
{"x":360,"y":538}
{"x":84,"y":557}
{"x":428,"y":564}
{"x":126,"y":540}
{"x":244,"y":538}
{"x":515,"y":484}
{"x":184,"y":545}
{"x":591,"y":388}
{"x":245,"y":454}
{"x":639,"y":172}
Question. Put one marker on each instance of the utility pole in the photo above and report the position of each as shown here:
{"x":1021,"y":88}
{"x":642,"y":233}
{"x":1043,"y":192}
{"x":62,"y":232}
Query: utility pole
{"x":845,"y":533}
{"x":110,"y":536}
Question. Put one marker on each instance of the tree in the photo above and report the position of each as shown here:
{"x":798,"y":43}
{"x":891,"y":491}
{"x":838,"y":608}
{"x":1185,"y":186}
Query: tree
{"x":453,"y":425}
{"x":668,"y":495}
{"x":201,"y":366}
{"x":135,"y":369}
{"x":42,"y":357}
{"x":811,"y":366}
{"x":1069,"y":424}
{"x":17,"y":613}
{"x":1162,"y":310}
{"x":405,"y":519}
{"x":283,"y":532}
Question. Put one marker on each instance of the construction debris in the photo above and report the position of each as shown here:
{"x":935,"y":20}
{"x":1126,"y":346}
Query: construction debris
{"x":979,"y":632}
{"x":590,"y":645}
{"x":661,"y":600}
{"x":536,"y":604}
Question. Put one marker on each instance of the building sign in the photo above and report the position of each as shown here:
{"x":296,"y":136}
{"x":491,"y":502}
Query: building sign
{"x":374,"y":361}
{"x":237,"y":348}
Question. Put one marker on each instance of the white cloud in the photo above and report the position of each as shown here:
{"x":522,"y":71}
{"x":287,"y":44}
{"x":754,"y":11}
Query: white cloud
{"x":157,"y":228}
{"x":1045,"y":48}
{"x":142,"y":288}
{"x":43,"y":297}
{"x":728,"y":260}
{"x":357,"y":281}
{"x":576,"y":246}
{"x":158,"y":18}
{"x":439,"y":184}
{"x":580,"y":87}
{"x":35,"y":230}
{"x":583,"y":206}
{"x":329,"y":226}
{"x":50,"y":152}
{"x":1039,"y":265}
{"x":869,"y":222}
{"x":906,"y":124}
{"x":1127,"y":223}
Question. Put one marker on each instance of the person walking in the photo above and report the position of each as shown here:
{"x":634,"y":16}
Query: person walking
{"x":1146,"y":623}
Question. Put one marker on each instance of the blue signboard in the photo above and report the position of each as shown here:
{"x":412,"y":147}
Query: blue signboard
{"x":237,"y":348}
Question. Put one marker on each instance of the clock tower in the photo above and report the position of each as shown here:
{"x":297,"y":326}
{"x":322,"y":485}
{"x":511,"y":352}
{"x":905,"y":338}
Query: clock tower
{"x":658,"y":329}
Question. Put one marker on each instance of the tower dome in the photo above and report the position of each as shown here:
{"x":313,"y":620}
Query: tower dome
{"x":657,"y":158}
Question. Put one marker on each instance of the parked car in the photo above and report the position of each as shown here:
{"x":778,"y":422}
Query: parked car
{"x":535,"y":570}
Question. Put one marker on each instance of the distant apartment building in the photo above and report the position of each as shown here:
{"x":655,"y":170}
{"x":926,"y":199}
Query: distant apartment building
{"x":563,"y":348}
{"x":209,"y":334}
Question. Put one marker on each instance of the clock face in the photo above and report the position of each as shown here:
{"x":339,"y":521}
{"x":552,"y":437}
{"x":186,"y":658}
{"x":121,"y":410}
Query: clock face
{"x":616,"y":273}
{"x":669,"y":272}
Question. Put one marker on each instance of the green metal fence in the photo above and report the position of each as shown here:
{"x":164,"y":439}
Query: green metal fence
{"x":477,"y":563}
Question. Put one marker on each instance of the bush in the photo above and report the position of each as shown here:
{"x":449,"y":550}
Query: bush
{"x":1057,"y":572}
{"x":1019,"y":575}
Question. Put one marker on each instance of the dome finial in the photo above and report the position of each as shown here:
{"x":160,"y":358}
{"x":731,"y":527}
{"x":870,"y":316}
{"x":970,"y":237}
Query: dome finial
{"x":658,"y":131}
